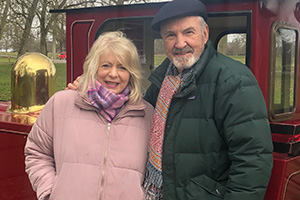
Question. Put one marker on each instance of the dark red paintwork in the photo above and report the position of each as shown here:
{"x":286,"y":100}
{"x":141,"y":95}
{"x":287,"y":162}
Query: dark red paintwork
{"x":82,"y":26}
{"x":14,"y":183}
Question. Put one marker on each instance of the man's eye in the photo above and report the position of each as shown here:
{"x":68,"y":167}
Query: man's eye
{"x":170,"y":35}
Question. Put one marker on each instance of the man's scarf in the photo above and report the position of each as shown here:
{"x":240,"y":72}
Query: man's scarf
{"x":153,"y":179}
{"x":106,"y":101}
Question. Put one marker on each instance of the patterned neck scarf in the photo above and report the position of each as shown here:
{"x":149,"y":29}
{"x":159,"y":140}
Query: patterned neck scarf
{"x":106,"y":101}
{"x":153,"y":179}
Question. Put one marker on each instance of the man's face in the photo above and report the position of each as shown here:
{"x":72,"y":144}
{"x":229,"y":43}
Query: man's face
{"x":184,"y":40}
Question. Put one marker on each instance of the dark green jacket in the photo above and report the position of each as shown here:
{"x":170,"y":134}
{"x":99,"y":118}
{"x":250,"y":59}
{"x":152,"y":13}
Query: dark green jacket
{"x":217,"y":142}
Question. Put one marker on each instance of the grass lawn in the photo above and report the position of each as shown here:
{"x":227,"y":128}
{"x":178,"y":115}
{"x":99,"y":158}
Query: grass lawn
{"x":158,"y":59}
{"x":5,"y":78}
{"x":5,"y":72}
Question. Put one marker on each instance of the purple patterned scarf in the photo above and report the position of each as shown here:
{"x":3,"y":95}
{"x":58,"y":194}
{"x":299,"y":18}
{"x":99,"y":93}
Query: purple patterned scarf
{"x":108,"y":102}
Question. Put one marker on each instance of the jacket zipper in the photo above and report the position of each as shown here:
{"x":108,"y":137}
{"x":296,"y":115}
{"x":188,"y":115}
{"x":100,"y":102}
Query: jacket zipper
{"x":104,"y":161}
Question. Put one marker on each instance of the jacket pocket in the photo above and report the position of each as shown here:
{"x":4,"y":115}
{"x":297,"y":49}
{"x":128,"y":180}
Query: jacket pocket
{"x":203,"y":187}
{"x":76,"y":181}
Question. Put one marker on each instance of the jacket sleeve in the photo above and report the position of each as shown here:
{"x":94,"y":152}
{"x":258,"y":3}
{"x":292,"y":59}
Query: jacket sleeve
{"x":39,"y":158}
{"x":242,"y":120}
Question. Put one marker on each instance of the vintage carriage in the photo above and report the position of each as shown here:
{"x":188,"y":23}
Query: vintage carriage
{"x":269,"y":30}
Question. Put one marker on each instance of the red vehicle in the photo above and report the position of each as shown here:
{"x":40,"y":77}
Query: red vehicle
{"x":62,"y":56}
{"x":269,"y":31}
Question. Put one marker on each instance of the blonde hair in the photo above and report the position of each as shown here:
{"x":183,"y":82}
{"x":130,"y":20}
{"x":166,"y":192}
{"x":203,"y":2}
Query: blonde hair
{"x":124,"y":51}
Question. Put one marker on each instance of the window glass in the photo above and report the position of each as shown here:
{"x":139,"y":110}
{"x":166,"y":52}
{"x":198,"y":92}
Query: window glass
{"x":283,"y":70}
{"x":135,"y":29}
{"x":234,"y":46}
{"x":159,"y":52}
{"x":139,"y":32}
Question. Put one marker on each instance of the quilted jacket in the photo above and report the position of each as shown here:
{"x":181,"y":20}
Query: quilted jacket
{"x":73,"y":153}
{"x":217,"y":142}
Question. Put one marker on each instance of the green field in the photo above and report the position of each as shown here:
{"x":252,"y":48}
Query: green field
{"x":5,"y":71}
{"x":158,"y":59}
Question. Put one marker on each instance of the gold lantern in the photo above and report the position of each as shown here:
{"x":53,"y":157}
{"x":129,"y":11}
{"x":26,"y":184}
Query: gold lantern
{"x":33,"y":82}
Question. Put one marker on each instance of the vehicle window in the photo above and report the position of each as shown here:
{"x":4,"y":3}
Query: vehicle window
{"x":234,"y":46}
{"x":135,"y":29}
{"x":159,"y":52}
{"x":232,"y":36}
{"x":283,"y":70}
{"x":139,"y":31}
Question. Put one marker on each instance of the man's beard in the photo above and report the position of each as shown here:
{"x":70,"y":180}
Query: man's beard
{"x":185,"y":62}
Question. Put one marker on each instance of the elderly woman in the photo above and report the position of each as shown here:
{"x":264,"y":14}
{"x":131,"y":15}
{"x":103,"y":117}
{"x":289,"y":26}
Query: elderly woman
{"x":92,"y":143}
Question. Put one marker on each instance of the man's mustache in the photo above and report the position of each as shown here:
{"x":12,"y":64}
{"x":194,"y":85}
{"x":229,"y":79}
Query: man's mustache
{"x":186,"y":49}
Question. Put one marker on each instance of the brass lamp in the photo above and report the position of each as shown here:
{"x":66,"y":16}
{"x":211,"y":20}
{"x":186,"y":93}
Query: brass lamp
{"x":33,"y":82}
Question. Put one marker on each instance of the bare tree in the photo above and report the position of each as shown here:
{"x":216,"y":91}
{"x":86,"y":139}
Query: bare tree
{"x":24,"y":10}
{"x":5,"y":42}
{"x":4,"y":15}
{"x":238,"y":45}
{"x":46,"y":20}
{"x":80,"y":4}
{"x":120,"y":2}
{"x":29,"y":21}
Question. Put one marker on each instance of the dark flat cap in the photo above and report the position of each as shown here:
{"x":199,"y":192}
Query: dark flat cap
{"x":178,"y":8}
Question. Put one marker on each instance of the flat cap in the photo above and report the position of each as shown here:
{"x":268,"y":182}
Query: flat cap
{"x":178,"y":8}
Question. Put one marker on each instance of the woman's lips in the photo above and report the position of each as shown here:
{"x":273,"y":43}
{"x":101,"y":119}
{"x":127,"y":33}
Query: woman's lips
{"x":111,"y":84}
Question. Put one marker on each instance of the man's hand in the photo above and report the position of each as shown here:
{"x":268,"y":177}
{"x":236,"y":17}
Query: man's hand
{"x":74,"y":85}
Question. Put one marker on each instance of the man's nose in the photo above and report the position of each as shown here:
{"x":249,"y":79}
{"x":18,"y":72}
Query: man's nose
{"x":180,"y":42}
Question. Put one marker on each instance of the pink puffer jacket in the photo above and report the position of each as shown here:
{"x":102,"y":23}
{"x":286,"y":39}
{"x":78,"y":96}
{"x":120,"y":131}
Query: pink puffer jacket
{"x":73,"y":153}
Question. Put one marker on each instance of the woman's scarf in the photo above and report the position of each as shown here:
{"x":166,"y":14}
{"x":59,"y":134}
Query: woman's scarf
{"x":106,"y":101}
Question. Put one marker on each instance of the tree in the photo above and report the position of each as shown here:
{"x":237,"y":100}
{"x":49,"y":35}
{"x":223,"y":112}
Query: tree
{"x":29,"y":21}
{"x":4,"y":15}
{"x":121,"y":2}
{"x":24,"y":9}
{"x":238,"y":45}
{"x":5,"y":43}
{"x":46,"y":20}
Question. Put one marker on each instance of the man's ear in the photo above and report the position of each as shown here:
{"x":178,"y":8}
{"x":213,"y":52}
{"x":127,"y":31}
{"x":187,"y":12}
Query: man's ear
{"x":206,"y":34}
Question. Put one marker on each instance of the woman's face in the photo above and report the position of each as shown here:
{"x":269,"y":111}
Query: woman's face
{"x":112,"y":75}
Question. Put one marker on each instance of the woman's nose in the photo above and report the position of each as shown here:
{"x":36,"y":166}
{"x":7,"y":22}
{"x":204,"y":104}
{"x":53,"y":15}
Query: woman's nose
{"x":113,"y":72}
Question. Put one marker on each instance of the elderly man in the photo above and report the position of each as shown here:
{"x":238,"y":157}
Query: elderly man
{"x":210,"y":136}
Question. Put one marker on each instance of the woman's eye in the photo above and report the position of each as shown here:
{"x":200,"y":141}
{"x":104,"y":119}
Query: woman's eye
{"x":105,"y":65}
{"x":123,"y":68}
